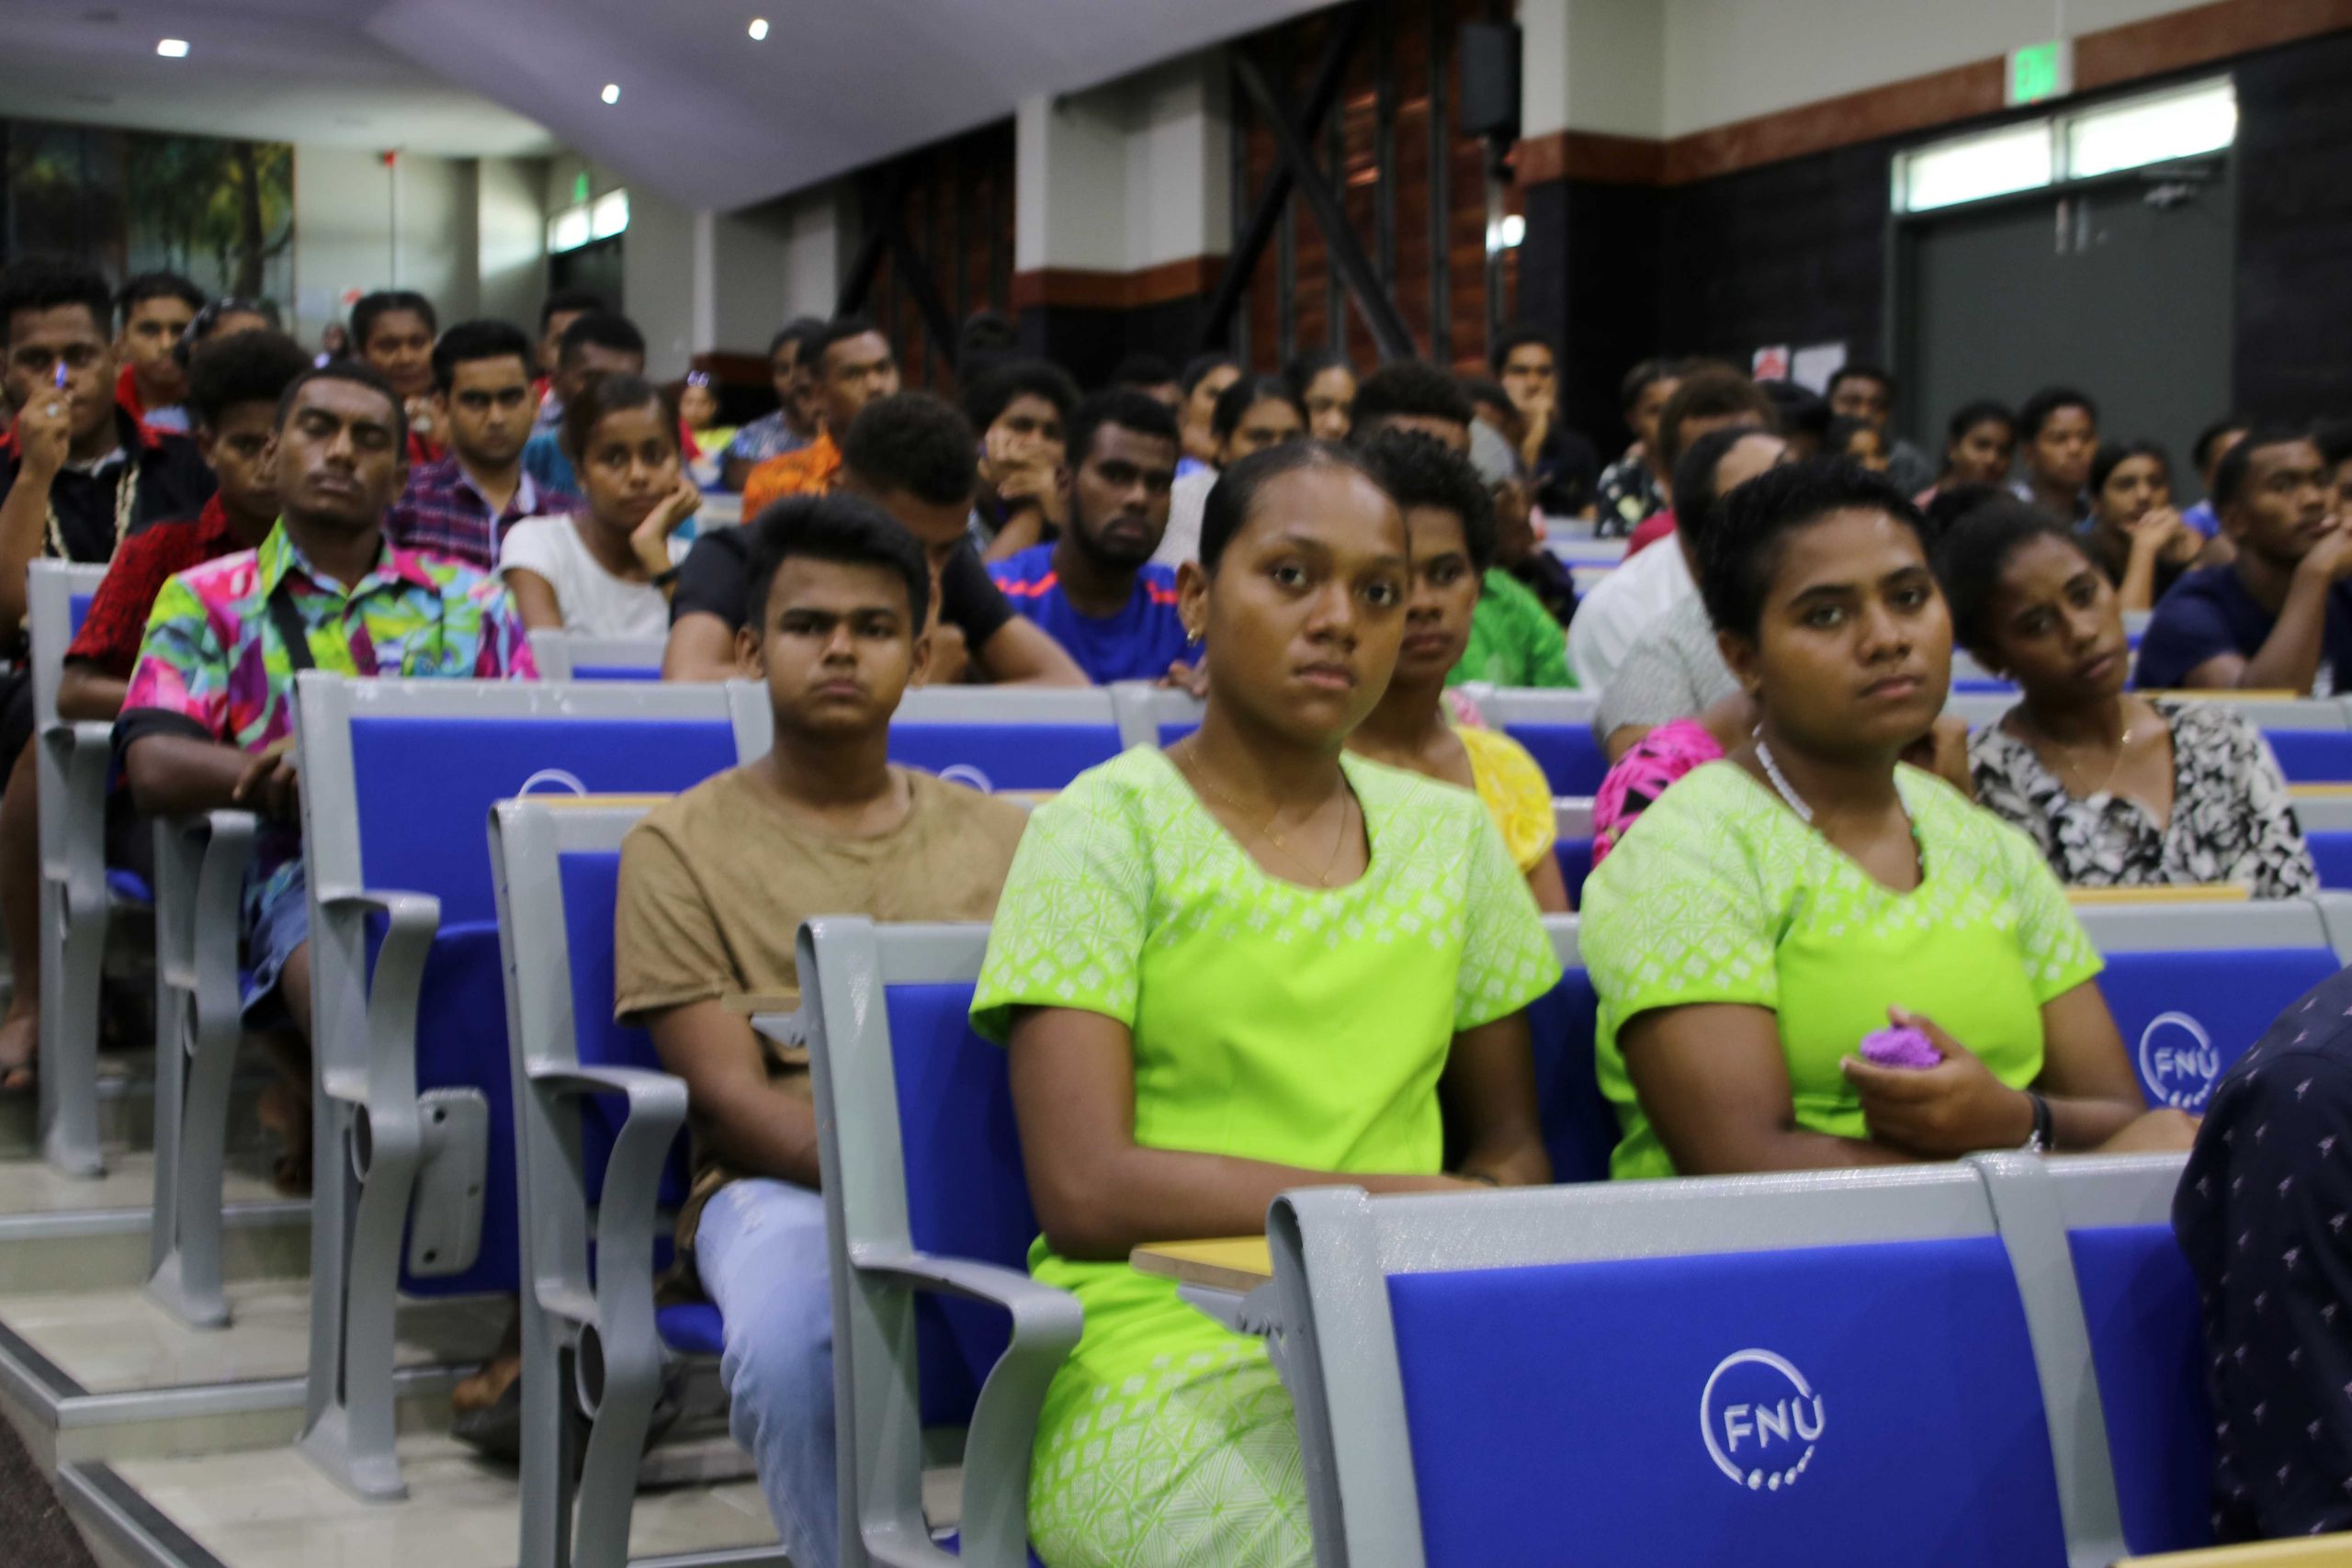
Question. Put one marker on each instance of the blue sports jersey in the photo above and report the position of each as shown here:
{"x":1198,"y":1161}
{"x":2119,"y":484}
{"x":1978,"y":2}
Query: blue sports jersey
{"x":1137,"y":644}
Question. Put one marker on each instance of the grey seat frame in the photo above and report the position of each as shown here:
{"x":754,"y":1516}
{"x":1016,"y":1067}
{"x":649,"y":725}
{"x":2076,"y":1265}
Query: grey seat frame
{"x":846,"y":963}
{"x":1334,"y":1248}
{"x":369,"y":1123}
{"x":558,"y":652}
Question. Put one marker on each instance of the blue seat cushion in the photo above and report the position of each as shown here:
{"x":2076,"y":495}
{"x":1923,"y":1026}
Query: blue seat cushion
{"x":967,"y":1193}
{"x":2185,"y":1016}
{"x":1567,"y":754}
{"x":2332,"y":853}
{"x":128,"y":886}
{"x":2313,"y":756}
{"x":1580,"y":1128}
{"x":2148,"y":1353}
{"x":1772,"y":1409}
{"x":1006,"y":756}
{"x":691,"y":1328}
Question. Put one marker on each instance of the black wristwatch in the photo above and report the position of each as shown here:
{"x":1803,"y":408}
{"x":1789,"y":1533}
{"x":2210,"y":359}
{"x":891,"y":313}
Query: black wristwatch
{"x":2040,"y":1143}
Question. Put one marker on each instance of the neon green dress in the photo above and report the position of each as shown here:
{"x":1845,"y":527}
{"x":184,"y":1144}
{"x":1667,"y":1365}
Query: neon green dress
{"x":1719,"y":894}
{"x":1272,"y":1022}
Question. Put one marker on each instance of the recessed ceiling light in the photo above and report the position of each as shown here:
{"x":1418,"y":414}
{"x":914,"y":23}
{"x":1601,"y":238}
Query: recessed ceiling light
{"x":759,"y":29}
{"x":612,"y":94}
{"x":172,"y":48}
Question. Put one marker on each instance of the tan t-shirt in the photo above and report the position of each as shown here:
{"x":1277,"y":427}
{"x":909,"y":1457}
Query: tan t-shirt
{"x":716,"y":881}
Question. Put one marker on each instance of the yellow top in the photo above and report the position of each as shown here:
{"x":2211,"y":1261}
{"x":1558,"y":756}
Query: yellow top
{"x":1515,"y":794}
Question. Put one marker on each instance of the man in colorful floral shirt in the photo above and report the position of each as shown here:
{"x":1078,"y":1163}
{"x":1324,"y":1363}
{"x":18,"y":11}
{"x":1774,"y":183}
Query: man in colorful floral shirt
{"x":208,"y":722}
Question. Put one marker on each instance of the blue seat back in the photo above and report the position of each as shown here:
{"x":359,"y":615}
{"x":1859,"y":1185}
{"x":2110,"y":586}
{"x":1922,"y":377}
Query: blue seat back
{"x":1580,"y":1128}
{"x":424,"y":787}
{"x":1005,"y":756}
{"x":2332,"y":853}
{"x":2313,"y":756}
{"x":2187,"y":1015}
{"x":1567,"y":754}
{"x":2148,"y":1354}
{"x":1664,"y":1410}
{"x":617,"y":673}
{"x":967,"y":1194}
{"x":77,"y":611}
{"x":1575,"y":856}
{"x":591,"y":881}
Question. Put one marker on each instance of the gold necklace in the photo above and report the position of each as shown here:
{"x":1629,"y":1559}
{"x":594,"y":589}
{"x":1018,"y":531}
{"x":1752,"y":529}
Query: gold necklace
{"x":126,"y":497}
{"x":2067,"y":762}
{"x":1191,"y":770}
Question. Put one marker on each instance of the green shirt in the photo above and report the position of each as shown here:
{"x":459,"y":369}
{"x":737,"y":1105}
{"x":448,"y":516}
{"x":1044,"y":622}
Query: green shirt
{"x":1271,"y":1022}
{"x":1514,"y":641}
{"x":1719,"y":894}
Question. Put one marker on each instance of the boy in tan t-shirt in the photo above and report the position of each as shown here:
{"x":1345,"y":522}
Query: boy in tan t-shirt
{"x":714,"y":887}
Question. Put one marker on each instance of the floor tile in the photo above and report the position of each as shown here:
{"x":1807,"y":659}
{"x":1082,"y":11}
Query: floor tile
{"x":30,"y":1186}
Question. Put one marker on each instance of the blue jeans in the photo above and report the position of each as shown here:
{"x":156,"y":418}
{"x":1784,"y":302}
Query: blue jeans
{"x":759,"y":1247}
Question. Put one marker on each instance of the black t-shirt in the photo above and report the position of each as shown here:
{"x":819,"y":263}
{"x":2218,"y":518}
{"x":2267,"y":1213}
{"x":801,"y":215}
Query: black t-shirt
{"x":2209,"y":613}
{"x":174,"y":481}
{"x":715,"y":580}
{"x":1568,"y":472}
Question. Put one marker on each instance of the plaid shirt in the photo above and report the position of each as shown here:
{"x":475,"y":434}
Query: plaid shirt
{"x":212,"y":666}
{"x":443,"y":514}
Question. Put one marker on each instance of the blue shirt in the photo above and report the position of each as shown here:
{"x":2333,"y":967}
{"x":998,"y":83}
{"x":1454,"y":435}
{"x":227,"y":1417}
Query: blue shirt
{"x":544,"y":460}
{"x":2209,"y":613}
{"x":1137,"y":644}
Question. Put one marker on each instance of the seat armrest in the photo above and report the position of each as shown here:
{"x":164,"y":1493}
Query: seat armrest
{"x":1046,"y":1325}
{"x":629,"y":1205}
{"x":410,"y":920}
{"x":76,"y":839}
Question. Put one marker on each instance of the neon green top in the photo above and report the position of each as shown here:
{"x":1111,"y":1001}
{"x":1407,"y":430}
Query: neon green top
{"x":1271,"y":1022}
{"x":1514,"y":641}
{"x":1719,"y":894}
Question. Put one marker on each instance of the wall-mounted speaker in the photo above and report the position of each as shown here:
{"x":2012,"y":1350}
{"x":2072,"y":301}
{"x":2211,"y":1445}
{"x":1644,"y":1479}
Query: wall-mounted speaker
{"x":1489,"y":56}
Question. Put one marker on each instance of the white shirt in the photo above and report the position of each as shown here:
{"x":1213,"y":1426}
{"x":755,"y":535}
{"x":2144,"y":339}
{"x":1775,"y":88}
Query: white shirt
{"x":1614,"y":617}
{"x":1187,"y":499}
{"x":592,"y":600}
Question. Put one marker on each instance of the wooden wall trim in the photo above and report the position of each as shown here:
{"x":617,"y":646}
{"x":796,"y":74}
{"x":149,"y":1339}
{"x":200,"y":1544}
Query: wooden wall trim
{"x":2179,"y":41}
{"x":1076,"y":288}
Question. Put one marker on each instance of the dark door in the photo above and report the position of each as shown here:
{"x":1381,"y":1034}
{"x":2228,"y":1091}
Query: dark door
{"x":2123,"y":288}
{"x":596,"y":265}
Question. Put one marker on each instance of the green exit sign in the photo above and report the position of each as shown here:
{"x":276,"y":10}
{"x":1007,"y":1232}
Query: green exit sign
{"x":2040,"y":71}
{"x":580,"y":185}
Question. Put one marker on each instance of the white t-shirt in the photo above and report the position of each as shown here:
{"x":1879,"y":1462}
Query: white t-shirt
{"x":592,"y":600}
{"x":1613,"y":617}
{"x":1187,"y":499}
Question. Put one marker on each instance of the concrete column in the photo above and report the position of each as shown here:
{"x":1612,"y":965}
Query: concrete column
{"x":1592,"y":112}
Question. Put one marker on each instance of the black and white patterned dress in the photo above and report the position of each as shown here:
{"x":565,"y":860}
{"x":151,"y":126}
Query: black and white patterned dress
{"x":2231,"y":818}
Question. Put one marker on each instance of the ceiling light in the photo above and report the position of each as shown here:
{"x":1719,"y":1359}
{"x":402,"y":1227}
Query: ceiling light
{"x":172,"y":48}
{"x":612,"y":91}
{"x":759,"y":29}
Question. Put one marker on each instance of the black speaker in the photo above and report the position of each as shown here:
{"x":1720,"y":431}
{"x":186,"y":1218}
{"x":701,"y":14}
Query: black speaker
{"x":1489,"y":56}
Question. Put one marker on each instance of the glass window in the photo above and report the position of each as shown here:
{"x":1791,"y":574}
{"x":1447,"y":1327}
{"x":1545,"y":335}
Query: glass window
{"x":2204,"y":118}
{"x":567,"y":230}
{"x":2017,"y":158}
{"x":609,"y":216}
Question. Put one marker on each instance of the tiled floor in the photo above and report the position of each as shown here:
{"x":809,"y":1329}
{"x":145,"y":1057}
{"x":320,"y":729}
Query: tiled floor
{"x":116,"y":1340}
{"x":271,"y":1509}
{"x":31,"y":1187}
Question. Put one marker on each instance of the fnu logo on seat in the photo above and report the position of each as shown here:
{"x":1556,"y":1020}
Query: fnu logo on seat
{"x":2178,"y":1061}
{"x":1760,"y":1420}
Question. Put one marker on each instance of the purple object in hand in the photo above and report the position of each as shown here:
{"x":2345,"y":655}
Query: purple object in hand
{"x":1901,"y":1046}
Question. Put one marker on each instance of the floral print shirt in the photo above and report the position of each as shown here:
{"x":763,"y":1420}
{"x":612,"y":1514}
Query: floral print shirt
{"x":2232,"y":820}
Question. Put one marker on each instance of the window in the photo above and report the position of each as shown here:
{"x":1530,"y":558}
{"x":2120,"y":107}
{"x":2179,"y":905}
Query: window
{"x":586,"y":221}
{"x":2102,"y":140}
